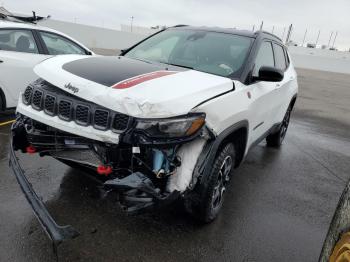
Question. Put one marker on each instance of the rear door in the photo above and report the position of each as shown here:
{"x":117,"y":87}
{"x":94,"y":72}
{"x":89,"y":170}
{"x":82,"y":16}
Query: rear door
{"x":19,"y":53}
{"x":262,"y":94}
{"x":282,"y":93}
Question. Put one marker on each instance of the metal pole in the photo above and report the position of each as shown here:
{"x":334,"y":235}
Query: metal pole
{"x":329,"y":42}
{"x":132,"y":19}
{"x":304,"y":38}
{"x":318,"y":37}
{"x":261,"y":26}
{"x":273,"y":29}
{"x":253,"y":28}
{"x":336,"y":34}
{"x":289,"y":34}
{"x":284,"y":31}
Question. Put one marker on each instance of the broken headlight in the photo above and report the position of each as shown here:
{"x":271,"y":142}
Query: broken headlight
{"x":172,"y":127}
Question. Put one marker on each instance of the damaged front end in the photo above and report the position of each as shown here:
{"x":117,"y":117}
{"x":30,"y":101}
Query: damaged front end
{"x":150,"y":165}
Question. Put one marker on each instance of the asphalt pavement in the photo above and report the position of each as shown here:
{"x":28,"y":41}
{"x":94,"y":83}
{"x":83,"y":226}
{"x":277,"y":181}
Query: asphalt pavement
{"x":278,"y":206}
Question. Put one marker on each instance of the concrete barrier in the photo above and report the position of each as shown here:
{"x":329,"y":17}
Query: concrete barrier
{"x":320,"y":59}
{"x":109,"y":41}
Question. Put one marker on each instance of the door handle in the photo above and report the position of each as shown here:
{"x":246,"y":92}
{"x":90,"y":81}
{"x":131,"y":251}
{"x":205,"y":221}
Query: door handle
{"x":1,"y":61}
{"x":278,"y":85}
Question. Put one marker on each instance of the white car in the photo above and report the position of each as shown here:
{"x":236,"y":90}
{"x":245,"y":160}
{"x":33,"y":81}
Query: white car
{"x":22,"y":46}
{"x":171,"y":117}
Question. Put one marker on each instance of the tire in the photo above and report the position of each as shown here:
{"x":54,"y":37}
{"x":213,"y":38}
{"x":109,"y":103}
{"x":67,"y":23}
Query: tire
{"x":276,"y":139}
{"x":205,"y":201}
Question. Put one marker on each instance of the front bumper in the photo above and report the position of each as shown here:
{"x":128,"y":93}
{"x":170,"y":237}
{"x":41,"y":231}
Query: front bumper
{"x":56,"y":232}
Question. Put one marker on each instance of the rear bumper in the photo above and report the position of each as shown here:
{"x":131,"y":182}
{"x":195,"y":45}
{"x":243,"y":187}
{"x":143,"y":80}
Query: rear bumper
{"x":56,"y":232}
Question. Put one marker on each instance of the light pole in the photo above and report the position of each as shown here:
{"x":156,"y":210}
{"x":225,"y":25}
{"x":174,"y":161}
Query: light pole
{"x":132,"y":20}
{"x":330,"y":38}
{"x":304,"y":38}
{"x":336,"y":34}
{"x":284,"y":31}
{"x":318,"y":37}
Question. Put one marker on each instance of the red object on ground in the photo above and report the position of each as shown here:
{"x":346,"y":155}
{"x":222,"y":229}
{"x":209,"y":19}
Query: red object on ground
{"x":104,"y":170}
{"x":31,"y":149}
{"x":141,"y":78}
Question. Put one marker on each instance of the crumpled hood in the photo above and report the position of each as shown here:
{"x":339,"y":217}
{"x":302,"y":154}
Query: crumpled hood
{"x":132,"y":87}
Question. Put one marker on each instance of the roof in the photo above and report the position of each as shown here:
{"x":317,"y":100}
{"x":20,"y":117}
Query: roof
{"x":233,"y":31}
{"x":218,"y":29}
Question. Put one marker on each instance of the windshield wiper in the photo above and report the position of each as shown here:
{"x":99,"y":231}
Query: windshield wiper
{"x":178,"y":65}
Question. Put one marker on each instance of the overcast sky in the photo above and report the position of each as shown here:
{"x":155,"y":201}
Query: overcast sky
{"x":313,"y":15}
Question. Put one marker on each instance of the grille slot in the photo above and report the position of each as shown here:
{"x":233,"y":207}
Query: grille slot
{"x":27,"y":95}
{"x":65,"y":110}
{"x":82,"y":115}
{"x":49,"y":104}
{"x":120,"y":122}
{"x":37,"y":99}
{"x":42,"y":95}
{"x":101,"y":119}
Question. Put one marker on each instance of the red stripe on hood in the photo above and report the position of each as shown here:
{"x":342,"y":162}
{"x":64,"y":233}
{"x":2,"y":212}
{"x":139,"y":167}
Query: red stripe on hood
{"x":141,"y":78}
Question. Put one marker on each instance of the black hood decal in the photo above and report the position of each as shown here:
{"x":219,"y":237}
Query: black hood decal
{"x":110,"y":70}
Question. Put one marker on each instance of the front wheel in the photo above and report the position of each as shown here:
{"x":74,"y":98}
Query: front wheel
{"x":276,"y":139}
{"x":205,"y":202}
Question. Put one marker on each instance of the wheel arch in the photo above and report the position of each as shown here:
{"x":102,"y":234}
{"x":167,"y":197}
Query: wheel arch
{"x":292,"y":102}
{"x":3,"y":99}
{"x":237,"y":134}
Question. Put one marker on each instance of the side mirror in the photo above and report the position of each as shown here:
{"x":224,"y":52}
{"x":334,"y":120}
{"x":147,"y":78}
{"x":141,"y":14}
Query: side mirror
{"x":270,"y":74}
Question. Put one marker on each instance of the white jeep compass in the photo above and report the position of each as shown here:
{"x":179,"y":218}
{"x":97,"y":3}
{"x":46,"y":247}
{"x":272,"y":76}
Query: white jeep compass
{"x":169,"y":118}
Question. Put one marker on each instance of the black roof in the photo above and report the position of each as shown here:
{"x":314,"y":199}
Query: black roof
{"x":231,"y":31}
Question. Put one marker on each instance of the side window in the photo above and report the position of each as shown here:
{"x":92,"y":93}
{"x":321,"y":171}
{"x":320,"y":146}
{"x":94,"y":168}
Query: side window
{"x":59,"y":45}
{"x":279,"y":56}
{"x":18,"y":40}
{"x":264,"y":57}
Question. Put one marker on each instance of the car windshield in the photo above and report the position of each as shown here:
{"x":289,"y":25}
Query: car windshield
{"x":212,"y":52}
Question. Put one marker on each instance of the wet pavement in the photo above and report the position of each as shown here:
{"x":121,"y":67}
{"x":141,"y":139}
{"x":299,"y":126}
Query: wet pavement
{"x":278,"y":206}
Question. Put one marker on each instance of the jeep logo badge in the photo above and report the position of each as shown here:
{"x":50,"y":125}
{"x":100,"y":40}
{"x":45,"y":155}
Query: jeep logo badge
{"x":71,"y":88}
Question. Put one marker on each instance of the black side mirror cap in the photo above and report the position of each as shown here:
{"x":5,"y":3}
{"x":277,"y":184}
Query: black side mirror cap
{"x":270,"y":74}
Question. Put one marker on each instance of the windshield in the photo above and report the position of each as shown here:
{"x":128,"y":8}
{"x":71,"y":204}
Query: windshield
{"x":212,"y":52}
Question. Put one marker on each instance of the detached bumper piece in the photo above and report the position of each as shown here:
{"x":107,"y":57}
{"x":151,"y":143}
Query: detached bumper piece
{"x":138,"y":193}
{"x":56,"y":232}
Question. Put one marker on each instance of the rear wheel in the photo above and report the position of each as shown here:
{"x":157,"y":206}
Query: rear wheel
{"x":206,"y":200}
{"x":276,"y":139}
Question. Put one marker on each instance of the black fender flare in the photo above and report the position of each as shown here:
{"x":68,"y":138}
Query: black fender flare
{"x":3,"y":99}
{"x":206,"y":159}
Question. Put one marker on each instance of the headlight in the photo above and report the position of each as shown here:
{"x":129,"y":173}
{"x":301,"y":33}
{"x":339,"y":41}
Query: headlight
{"x":172,"y":127}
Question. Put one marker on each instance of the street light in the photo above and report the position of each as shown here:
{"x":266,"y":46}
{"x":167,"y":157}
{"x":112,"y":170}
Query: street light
{"x":132,"y":19}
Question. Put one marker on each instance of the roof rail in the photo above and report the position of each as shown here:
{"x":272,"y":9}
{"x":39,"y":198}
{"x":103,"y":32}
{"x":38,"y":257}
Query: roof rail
{"x":179,"y":25}
{"x":28,"y":19}
{"x":268,"y":33}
